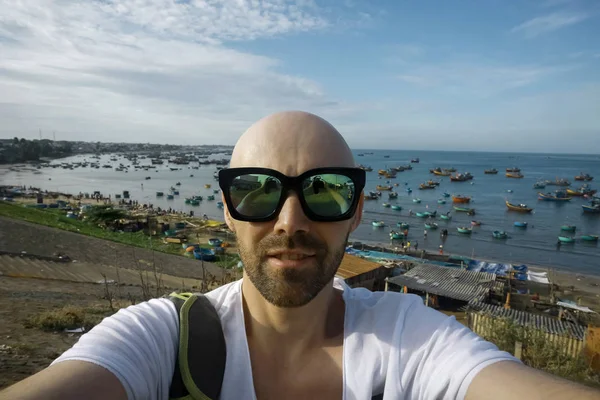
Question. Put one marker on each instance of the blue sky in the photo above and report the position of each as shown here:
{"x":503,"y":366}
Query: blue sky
{"x":452,"y":75}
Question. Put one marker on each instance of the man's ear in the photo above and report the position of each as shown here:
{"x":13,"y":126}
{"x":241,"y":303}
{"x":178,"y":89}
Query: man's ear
{"x":359,"y":212}
{"x":228,"y":219}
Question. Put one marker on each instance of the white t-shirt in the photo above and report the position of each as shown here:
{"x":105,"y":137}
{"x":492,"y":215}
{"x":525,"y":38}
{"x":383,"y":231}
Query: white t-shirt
{"x":392,"y":344}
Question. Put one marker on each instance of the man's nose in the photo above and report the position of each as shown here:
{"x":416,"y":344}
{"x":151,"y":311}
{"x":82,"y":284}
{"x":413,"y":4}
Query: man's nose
{"x":291,"y":219}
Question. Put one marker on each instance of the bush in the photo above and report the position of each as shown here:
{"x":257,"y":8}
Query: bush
{"x":68,"y":317}
{"x":539,"y":353}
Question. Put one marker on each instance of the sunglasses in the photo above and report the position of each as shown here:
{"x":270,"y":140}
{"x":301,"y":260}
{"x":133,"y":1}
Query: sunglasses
{"x":326,"y":194}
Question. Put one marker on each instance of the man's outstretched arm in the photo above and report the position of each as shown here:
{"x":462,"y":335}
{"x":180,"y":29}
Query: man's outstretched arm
{"x":68,"y":380}
{"x":512,"y":380}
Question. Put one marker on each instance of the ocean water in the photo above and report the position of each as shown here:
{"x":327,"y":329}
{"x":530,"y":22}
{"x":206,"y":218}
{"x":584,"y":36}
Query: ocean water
{"x":534,"y":245}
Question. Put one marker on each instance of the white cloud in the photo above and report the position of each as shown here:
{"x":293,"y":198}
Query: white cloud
{"x":548,"y":23}
{"x":477,"y":79}
{"x":148,"y":70}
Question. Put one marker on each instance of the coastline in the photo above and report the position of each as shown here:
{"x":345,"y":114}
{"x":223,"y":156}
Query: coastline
{"x":585,"y":287}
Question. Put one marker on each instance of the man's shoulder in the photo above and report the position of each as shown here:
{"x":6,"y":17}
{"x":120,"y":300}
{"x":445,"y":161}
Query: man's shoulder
{"x":224,"y":296}
{"x":386,"y":307}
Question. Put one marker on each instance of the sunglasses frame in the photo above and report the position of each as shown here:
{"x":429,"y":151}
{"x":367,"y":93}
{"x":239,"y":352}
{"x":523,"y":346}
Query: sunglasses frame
{"x":356,"y":175}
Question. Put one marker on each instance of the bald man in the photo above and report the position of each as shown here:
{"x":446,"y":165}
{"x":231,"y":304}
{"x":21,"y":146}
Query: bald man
{"x":293,"y":330}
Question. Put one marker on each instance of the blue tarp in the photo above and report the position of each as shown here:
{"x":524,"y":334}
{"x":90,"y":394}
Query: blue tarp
{"x":484,"y":266}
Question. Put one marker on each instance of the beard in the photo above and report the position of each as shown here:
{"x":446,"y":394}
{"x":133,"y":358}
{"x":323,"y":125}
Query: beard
{"x":291,"y":287}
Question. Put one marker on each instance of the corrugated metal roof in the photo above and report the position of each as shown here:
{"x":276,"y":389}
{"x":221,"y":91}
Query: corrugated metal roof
{"x":524,"y":318}
{"x":352,"y":266}
{"x":455,"y":283}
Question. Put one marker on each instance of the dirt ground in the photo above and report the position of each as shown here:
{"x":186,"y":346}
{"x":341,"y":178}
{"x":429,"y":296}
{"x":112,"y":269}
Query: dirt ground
{"x":25,"y":351}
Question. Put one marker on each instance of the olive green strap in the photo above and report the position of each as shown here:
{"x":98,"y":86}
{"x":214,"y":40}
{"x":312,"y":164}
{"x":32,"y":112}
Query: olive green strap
{"x":202,"y":353}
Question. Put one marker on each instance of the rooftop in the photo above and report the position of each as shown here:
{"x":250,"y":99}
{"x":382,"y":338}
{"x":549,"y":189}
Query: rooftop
{"x":352,"y":266}
{"x":454,"y":283}
{"x":545,"y":323}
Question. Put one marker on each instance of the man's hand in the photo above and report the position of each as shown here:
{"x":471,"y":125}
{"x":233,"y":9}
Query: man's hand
{"x":511,"y":380}
{"x":68,"y":380}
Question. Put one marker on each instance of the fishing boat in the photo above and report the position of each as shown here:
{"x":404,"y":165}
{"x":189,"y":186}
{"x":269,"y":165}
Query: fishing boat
{"x":371,"y":196}
{"x":446,"y":194}
{"x":516,"y":175}
{"x":461,"y":177}
{"x":431,"y":225}
{"x":396,"y":207}
{"x":194,"y":202}
{"x":415,"y":160}
{"x":403,"y":225}
{"x":215,"y":242}
{"x":383,"y":187}
{"x":378,"y":224}
{"x":365,"y":168}
{"x":593,"y":208}
{"x":440,"y":172}
{"x":386,"y":205}
{"x":568,"y":228}
{"x":392,"y":195}
{"x":520,"y":224}
{"x":513,"y":169}
{"x":566,"y":239}
{"x":467,"y":210}
{"x":461,"y":199}
{"x":416,"y":200}
{"x":446,"y":217}
{"x":425,"y":186}
{"x":559,"y":182}
{"x":518,"y":207}
{"x":539,"y":185}
{"x":204,"y":254}
{"x":589,"y":238}
{"x":492,"y":171}
{"x":584,"y":190}
{"x":220,"y":204}
{"x":424,"y":214}
{"x":408,"y":190}
{"x":170,"y":197}
{"x":208,"y":185}
{"x":178,"y":184}
{"x":396,"y":235}
{"x":499,"y":235}
{"x":441,"y":201}
{"x":584,"y":177}
{"x":475,"y":223}
{"x":465,"y":230}
{"x":559,"y":196}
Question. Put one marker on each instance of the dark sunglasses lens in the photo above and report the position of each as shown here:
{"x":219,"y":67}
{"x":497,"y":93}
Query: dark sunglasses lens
{"x":255,"y":195}
{"x":329,"y":195}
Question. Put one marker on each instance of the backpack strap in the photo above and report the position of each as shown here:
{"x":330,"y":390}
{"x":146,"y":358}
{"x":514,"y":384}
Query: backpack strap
{"x":200,"y":365}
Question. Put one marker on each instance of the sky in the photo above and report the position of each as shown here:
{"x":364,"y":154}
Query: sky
{"x":489,"y":75}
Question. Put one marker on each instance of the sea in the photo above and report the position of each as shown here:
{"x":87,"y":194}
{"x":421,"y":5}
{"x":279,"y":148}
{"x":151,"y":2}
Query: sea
{"x":534,"y":245}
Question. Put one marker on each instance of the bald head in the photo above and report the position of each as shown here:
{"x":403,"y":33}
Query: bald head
{"x":292,"y":142}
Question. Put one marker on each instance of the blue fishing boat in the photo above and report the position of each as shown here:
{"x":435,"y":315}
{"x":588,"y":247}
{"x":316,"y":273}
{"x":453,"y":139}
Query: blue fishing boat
{"x":520,"y":224}
{"x":403,"y":225}
{"x":416,"y":200}
{"x":568,"y":228}
{"x":396,"y":207}
{"x":593,"y":208}
{"x":204,"y":254}
{"x":378,"y":224}
{"x":500,"y":235}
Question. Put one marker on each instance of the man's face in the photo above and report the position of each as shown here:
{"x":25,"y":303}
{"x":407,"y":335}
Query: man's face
{"x":291,"y":259}
{"x":319,"y":247}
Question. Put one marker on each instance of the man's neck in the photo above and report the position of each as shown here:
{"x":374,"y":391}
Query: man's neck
{"x":297,"y":329}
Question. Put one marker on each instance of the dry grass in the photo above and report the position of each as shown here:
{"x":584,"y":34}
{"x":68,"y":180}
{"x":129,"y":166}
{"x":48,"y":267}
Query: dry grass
{"x":69,"y":317}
